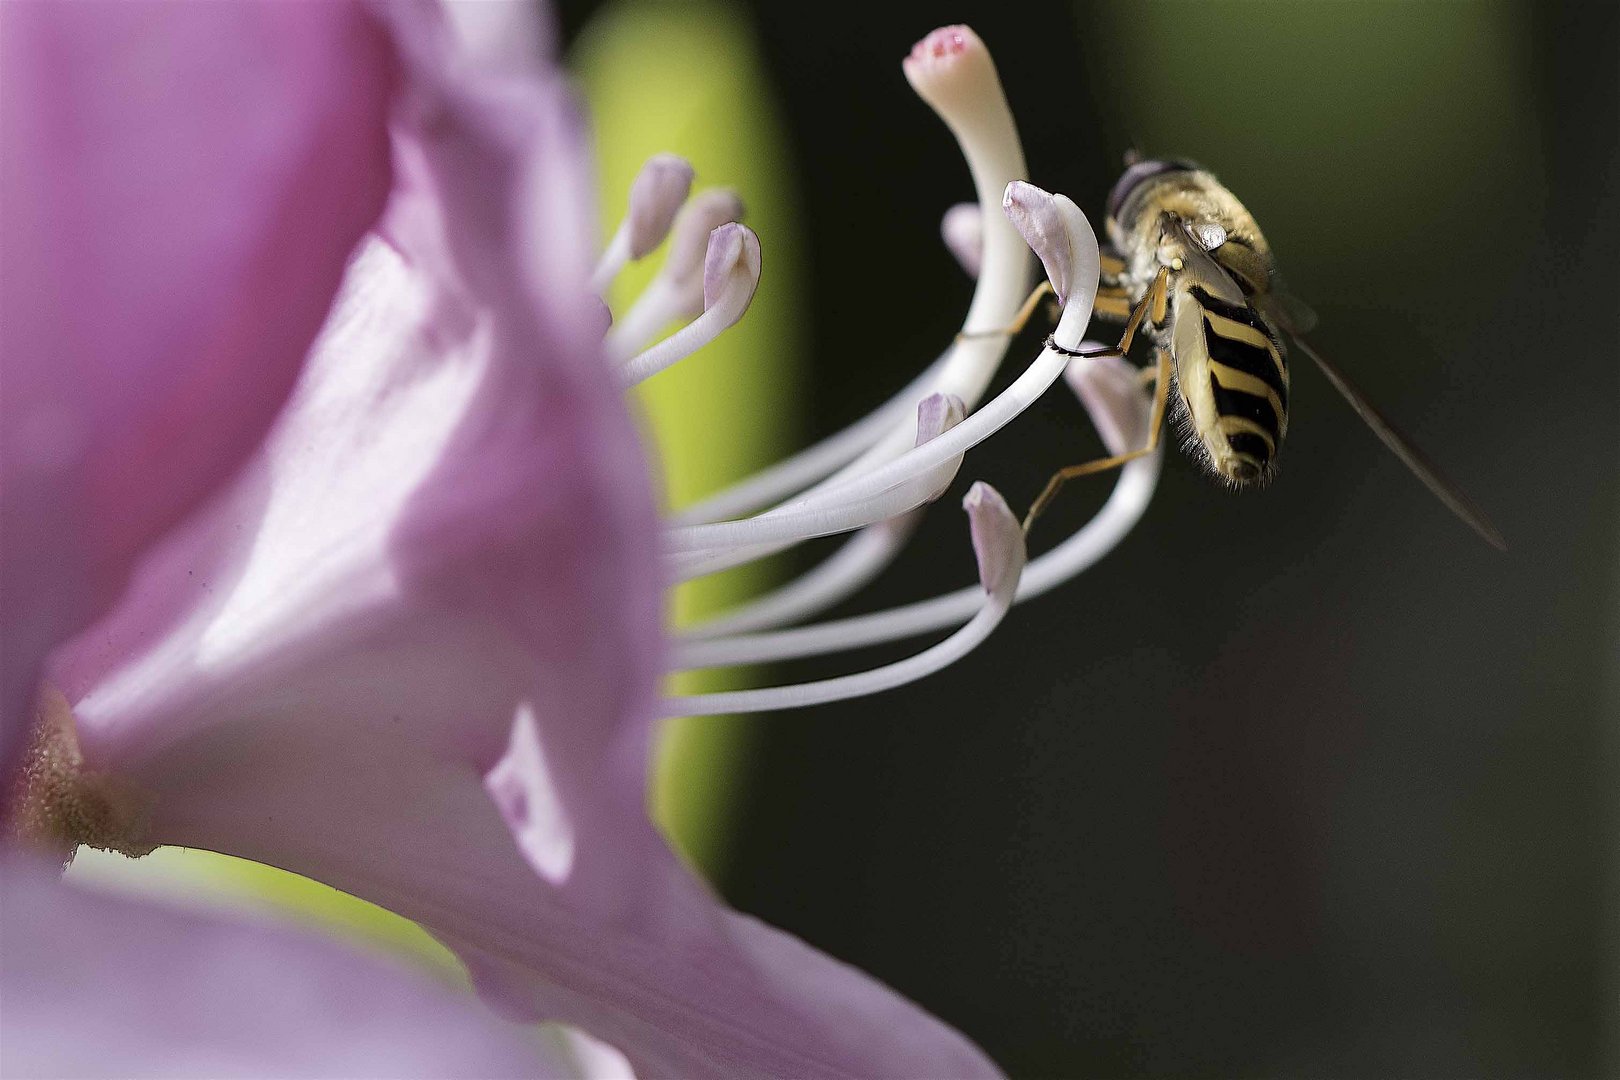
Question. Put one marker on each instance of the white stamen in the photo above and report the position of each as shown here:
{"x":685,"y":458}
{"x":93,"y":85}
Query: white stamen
{"x":851,"y":568}
{"x":812,"y":514}
{"x":614,"y":259}
{"x":1124,"y":508}
{"x":730,"y":277}
{"x":656,"y":194}
{"x":998,"y":543}
{"x":817,"y":508}
{"x":1075,"y":555}
{"x":857,"y":562}
{"x":873,"y":475}
{"x":936,"y":414}
{"x":676,"y":292}
{"x":812,"y":463}
{"x":952,"y":71}
{"x":962,"y":229}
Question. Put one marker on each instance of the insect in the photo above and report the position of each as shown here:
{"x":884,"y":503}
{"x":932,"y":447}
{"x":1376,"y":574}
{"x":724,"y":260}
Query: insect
{"x":1189,"y":267}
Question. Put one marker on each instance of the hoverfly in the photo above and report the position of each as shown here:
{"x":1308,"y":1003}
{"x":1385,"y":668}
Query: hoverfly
{"x":1188,"y":264}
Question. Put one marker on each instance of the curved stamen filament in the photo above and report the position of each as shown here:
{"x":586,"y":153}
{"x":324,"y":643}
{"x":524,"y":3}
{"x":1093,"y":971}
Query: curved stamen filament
{"x":854,"y":565}
{"x":687,"y":340}
{"x":952,"y":71}
{"x":676,"y":291}
{"x":1061,"y":233}
{"x":731,"y":274}
{"x":812,"y":463}
{"x":1001,"y":556}
{"x":658,"y":305}
{"x":1110,"y":390}
{"x":1074,"y":555}
{"x":817,"y":507}
{"x":936,"y":414}
{"x":868,"y":477}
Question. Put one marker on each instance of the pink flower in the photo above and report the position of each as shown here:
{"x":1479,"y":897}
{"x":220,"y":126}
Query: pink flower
{"x":96,"y":986}
{"x":412,"y":648}
{"x":163,"y":277}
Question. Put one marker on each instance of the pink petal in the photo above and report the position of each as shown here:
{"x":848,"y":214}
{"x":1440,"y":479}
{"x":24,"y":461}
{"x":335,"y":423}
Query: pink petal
{"x":429,"y":619}
{"x":99,"y":986}
{"x":182,"y":186}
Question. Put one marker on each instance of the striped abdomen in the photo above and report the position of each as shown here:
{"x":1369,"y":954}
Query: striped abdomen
{"x":1233,"y":378}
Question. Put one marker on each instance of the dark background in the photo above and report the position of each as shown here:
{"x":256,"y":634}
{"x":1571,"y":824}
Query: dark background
{"x":1305,"y":782}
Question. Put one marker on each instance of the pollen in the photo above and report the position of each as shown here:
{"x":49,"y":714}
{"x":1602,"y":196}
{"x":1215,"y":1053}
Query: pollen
{"x":56,"y":804}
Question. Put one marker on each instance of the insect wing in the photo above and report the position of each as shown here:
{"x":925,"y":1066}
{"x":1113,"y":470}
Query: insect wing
{"x":1234,"y":379}
{"x":1286,"y":310}
{"x":1415,"y":459}
{"x":1204,"y":270}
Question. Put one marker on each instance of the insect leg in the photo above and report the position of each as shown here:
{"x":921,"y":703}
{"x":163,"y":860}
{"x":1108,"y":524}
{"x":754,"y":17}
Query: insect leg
{"x":1161,"y":397}
{"x":1110,"y":304}
{"x":1019,"y":320}
{"x":1154,"y":298}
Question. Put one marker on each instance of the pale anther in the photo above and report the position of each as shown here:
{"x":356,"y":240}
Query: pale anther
{"x":656,"y":195}
{"x":1036,"y":216}
{"x":676,"y":291}
{"x":730,"y":277}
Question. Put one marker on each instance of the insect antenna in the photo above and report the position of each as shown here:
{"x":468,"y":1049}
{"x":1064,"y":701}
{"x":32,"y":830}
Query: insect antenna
{"x":1403,"y":448}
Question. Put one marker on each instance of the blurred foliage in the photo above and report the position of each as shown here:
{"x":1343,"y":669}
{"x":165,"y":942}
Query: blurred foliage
{"x":686,"y":78}
{"x":204,"y":879}
{"x":1349,"y":163}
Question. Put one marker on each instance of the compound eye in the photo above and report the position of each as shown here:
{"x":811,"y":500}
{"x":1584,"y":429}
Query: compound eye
{"x":1135,"y":174}
{"x":1209,"y":235}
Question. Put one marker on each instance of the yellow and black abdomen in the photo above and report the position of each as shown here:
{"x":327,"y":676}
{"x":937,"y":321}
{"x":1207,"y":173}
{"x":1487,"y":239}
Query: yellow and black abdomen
{"x":1232,"y":375}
